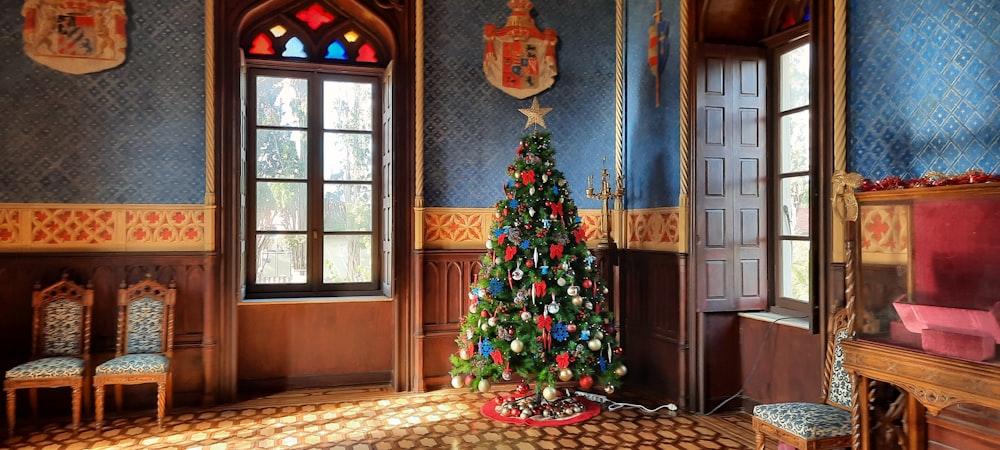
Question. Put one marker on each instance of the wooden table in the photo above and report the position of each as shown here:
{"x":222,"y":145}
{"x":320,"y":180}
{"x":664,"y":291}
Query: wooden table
{"x":933,"y":383}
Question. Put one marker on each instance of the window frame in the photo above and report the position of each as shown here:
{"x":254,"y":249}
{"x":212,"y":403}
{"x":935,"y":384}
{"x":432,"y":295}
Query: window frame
{"x":314,"y":287}
{"x":778,"y":45}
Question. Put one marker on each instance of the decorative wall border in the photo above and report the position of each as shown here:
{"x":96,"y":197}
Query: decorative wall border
{"x":468,"y":228}
{"x":106,"y":228}
{"x":658,"y":229}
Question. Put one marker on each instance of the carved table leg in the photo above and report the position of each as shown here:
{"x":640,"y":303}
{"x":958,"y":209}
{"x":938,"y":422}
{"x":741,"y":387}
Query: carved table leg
{"x":760,"y":441}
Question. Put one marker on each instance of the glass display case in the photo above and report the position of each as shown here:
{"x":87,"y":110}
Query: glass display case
{"x":929,"y":270}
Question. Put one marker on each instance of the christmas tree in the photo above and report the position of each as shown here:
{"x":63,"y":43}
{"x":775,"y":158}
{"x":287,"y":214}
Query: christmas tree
{"x":538,"y":307}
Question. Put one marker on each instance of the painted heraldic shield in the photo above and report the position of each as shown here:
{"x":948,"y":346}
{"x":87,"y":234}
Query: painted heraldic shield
{"x":75,"y":36}
{"x":519,"y":59}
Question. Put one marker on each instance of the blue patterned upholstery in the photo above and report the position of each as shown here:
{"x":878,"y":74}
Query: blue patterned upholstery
{"x":60,"y":337}
{"x":145,"y":326}
{"x":840,"y":380}
{"x":54,"y":367}
{"x":143,"y":363}
{"x":808,"y":420}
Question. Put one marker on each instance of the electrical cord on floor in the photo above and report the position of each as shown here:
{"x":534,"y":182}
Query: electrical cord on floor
{"x":614,"y":406}
{"x":756,"y":362}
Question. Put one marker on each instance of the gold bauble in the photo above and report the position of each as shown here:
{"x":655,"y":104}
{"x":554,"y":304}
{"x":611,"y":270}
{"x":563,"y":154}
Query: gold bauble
{"x":484,"y":385}
{"x":621,"y":370}
{"x":565,"y":374}
{"x":550,"y":393}
{"x":594,"y":344}
{"x":609,"y":389}
{"x":457,"y":381}
{"x":464,"y":354}
{"x":516,"y":346}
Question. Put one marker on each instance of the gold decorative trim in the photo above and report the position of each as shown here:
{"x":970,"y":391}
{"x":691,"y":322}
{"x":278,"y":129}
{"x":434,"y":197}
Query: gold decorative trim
{"x":418,"y":146}
{"x":209,"y":102}
{"x":658,"y":229}
{"x":106,"y":228}
{"x":469,"y":228}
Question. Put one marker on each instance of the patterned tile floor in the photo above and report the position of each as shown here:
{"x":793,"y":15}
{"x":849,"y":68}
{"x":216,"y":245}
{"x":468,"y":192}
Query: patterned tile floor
{"x":358,"y":419}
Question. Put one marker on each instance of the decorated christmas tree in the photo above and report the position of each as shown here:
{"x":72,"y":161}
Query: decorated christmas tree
{"x":537,"y":310}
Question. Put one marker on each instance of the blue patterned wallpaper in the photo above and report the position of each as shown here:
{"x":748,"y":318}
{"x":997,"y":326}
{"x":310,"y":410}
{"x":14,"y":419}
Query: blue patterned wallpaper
{"x":652,"y":135}
{"x":923,"y":87}
{"x":131,"y":134}
{"x":472,"y":128}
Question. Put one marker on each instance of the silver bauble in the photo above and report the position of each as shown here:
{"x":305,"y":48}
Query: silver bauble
{"x":550,"y":393}
{"x":457,"y":381}
{"x":516,"y":346}
{"x":609,"y":389}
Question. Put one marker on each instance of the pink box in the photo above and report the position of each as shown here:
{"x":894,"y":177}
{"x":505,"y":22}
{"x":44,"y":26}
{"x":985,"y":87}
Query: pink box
{"x":958,"y":345}
{"x":902,"y":336}
{"x":784,"y":446}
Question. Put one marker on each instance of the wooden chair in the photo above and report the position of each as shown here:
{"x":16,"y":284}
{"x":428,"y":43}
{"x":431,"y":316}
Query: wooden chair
{"x":145,"y":343}
{"x":813,"y":426}
{"x":60,"y":347}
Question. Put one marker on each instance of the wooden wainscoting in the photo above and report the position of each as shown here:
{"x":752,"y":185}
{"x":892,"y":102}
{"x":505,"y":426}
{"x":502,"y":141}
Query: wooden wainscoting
{"x":442,"y":301}
{"x":314,"y":344}
{"x":651,"y":321}
{"x":195,"y":329}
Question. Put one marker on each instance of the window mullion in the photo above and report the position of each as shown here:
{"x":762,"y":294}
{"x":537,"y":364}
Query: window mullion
{"x":315,"y":275}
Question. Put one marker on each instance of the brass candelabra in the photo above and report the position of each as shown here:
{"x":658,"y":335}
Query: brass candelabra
{"x":604,"y":195}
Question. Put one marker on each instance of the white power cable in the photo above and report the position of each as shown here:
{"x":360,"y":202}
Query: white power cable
{"x":614,"y":406}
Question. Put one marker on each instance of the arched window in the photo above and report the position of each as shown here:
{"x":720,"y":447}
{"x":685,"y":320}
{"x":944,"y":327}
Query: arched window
{"x":316,"y":187}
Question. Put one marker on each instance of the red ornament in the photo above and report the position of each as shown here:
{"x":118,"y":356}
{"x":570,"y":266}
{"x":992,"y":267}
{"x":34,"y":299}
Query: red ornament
{"x":586,"y":382}
{"x":522,"y":387}
{"x":587,"y":284}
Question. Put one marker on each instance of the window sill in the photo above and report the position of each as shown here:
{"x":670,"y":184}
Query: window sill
{"x":778,"y":319}
{"x":314,"y":300}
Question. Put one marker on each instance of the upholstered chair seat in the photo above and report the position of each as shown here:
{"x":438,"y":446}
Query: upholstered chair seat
{"x":54,"y":367}
{"x":60,"y":348}
{"x":808,"y":420}
{"x":144,"y":363}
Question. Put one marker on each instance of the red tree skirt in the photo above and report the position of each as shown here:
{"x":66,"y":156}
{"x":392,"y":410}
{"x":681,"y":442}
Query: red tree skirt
{"x":592,"y":409}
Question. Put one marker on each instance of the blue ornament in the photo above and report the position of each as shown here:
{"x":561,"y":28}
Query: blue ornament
{"x":585,"y":335}
{"x":485,"y":348}
{"x":513,"y":203}
{"x":560,"y":332}
{"x":524,"y":244}
{"x":555,"y":190}
{"x":496,"y":286}
{"x":497,"y":232}
{"x":604,"y":364}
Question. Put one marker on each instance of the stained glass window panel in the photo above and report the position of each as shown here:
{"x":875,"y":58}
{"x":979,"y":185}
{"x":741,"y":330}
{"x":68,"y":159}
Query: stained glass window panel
{"x":337,"y":51}
{"x":261,"y":45}
{"x":315,"y":16}
{"x":294,"y":49}
{"x":367,"y":54}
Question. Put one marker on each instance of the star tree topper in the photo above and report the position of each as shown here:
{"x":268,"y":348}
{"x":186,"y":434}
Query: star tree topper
{"x":535,"y":114}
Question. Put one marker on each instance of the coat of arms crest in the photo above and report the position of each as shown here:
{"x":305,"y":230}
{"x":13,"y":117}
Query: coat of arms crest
{"x":519,"y":59}
{"x":75,"y":36}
